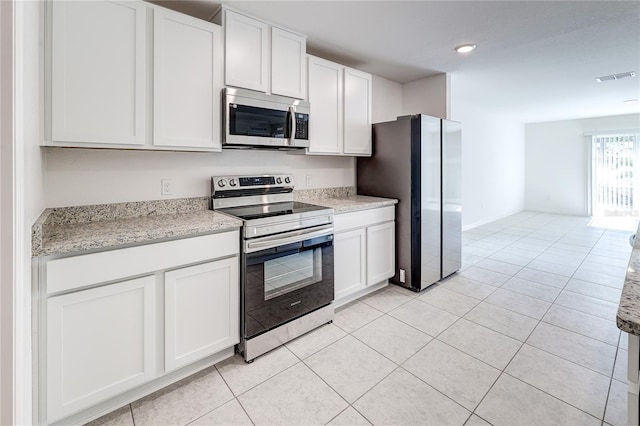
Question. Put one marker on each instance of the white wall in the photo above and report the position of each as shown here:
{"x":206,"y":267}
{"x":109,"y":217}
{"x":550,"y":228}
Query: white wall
{"x":557,"y":161}
{"x":492,"y":156}
{"x":386,"y":100}
{"x":92,"y":176}
{"x":6,"y":216}
{"x":426,"y":96}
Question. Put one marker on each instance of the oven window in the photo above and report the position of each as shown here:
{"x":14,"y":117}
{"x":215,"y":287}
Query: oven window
{"x":288,"y":273}
{"x":252,"y":121}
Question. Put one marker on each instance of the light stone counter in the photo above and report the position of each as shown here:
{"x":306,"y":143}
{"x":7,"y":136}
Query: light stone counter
{"x":342,"y":200}
{"x":78,"y":229}
{"x":353,"y":203}
{"x":103,"y":226}
{"x":628,"y":318}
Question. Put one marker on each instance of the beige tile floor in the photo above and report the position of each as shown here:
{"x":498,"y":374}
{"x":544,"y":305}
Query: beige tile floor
{"x":524,"y":334}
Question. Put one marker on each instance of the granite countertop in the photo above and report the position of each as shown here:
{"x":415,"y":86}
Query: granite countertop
{"x":628,"y":318}
{"x":352,"y":203}
{"x":78,"y":229}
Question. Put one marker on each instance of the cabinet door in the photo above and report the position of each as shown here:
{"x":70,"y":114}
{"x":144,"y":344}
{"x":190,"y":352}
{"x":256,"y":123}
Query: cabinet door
{"x":246,"y":52}
{"x":288,"y":67}
{"x":325,"y":96}
{"x":349,"y":249}
{"x":187,"y":81}
{"x":98,"y":72}
{"x":357,"y":112}
{"x":202,"y":311}
{"x":381,"y":259}
{"x":100,"y":342}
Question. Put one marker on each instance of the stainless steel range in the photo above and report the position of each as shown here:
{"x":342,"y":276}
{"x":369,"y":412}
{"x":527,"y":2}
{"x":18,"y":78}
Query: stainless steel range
{"x":286,"y":260}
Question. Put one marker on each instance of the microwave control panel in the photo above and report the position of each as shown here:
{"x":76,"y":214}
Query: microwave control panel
{"x":302,"y":126}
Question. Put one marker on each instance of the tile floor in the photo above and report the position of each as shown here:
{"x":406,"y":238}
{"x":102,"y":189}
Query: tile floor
{"x":524,"y":334}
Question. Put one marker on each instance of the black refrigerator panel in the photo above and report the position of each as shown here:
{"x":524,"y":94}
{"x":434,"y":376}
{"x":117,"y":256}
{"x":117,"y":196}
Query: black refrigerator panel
{"x":388,"y":174}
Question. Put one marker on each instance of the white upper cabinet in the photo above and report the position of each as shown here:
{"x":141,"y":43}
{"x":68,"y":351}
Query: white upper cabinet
{"x":130,"y":75}
{"x":357,"y":112}
{"x":187,"y":81}
{"x":246,"y":52}
{"x":98,"y":72}
{"x":325,"y":96}
{"x":288,"y":70}
{"x":262,"y":57}
{"x":340,"y":120}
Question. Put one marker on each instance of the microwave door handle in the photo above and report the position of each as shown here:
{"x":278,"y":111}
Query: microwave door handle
{"x":292,"y":118}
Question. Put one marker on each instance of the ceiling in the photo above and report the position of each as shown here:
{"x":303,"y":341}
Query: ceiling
{"x":536,"y":60}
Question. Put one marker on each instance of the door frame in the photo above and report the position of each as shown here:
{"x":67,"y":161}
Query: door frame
{"x":8,"y":252}
{"x":15,"y":293}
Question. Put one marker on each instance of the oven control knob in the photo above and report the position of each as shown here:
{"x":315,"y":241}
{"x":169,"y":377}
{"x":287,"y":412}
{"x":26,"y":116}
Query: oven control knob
{"x":233,"y":182}
{"x":287,"y":180}
{"x":222,"y":183}
{"x":279,"y":180}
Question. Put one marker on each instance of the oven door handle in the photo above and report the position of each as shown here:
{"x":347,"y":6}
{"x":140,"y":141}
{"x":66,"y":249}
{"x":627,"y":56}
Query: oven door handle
{"x":293,"y":237}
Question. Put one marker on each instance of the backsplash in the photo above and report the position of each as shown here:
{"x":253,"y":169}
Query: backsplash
{"x":77,"y":177}
{"x":311,"y":194}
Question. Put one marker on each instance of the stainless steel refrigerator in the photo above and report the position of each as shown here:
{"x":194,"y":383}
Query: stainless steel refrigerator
{"x":417,"y":160}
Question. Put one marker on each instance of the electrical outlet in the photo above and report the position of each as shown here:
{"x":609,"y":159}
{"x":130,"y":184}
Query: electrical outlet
{"x":167,"y":187}
{"x":403,"y":278}
{"x":307,"y":180}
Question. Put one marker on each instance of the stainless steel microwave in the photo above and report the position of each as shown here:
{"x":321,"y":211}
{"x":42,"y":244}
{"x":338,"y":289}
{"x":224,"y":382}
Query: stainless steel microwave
{"x":256,"y":120}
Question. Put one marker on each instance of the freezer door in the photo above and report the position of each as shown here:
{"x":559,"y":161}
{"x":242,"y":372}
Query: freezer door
{"x":451,"y":197}
{"x":430,"y":190}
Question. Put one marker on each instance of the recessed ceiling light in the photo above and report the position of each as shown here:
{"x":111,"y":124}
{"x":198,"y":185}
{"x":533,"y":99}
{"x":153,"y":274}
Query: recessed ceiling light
{"x":631,"y":101}
{"x":465,"y":48}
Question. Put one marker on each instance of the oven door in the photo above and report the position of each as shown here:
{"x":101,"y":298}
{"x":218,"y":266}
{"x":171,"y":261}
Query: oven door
{"x":285,"y":277}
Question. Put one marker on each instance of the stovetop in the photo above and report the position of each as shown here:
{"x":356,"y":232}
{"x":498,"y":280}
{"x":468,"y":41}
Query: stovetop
{"x":265,"y":204}
{"x":261,"y":211}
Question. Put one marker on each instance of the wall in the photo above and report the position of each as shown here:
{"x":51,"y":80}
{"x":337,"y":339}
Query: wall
{"x":6,"y":215}
{"x":492,"y":156}
{"x":426,"y":96}
{"x":386,"y":100}
{"x":557,"y":162}
{"x":92,"y":176}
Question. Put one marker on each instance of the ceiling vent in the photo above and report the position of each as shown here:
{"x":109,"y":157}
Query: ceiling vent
{"x":616,"y":76}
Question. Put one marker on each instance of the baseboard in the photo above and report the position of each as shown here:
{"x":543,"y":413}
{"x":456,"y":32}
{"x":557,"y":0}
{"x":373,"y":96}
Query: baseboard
{"x":143,"y":390}
{"x":360,"y":293}
{"x":492,"y":219}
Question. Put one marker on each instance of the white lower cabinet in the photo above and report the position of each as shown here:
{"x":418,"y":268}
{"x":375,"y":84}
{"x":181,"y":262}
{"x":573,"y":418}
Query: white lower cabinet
{"x":103,"y":316}
{"x":381,"y":259}
{"x":350,"y":262}
{"x":200,"y":314}
{"x":100,"y":342}
{"x":364,"y":252}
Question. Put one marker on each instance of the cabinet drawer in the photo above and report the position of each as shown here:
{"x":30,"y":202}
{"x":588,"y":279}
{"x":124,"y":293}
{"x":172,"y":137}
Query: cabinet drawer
{"x":79,"y":271}
{"x":359,"y":219}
